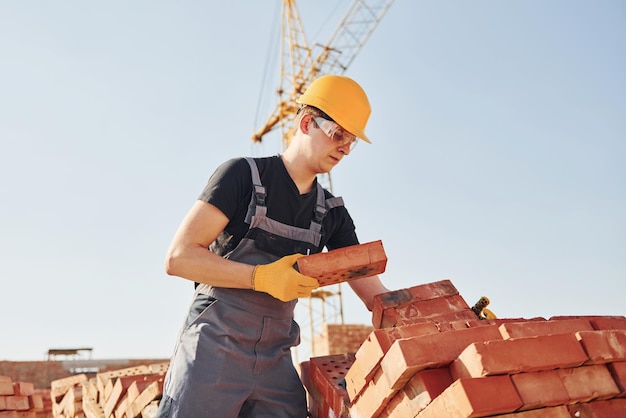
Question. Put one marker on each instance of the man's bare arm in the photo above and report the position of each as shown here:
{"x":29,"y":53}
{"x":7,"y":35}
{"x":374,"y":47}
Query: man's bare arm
{"x":188,"y":255}
{"x":368,"y":287}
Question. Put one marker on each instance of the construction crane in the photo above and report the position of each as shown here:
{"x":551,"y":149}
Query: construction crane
{"x":300,"y":64}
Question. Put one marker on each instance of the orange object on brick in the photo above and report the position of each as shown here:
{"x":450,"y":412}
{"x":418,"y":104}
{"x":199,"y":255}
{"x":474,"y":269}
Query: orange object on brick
{"x":344,"y":264}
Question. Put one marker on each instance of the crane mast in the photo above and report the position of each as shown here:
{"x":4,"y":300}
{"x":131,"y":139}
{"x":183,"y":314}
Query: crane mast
{"x":300,"y":64}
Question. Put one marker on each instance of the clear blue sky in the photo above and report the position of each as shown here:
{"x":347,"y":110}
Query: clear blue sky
{"x":498,"y":155}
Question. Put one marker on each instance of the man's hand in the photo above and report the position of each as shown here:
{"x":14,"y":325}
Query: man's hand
{"x":281,"y":280}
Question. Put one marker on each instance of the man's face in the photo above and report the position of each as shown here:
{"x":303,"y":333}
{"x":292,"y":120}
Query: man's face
{"x":329,"y":142}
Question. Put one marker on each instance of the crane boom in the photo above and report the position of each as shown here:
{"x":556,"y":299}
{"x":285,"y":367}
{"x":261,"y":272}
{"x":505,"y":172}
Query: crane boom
{"x":298,"y":65}
{"x":352,"y":33}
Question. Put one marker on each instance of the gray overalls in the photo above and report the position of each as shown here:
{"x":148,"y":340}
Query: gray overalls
{"x":233,"y":356}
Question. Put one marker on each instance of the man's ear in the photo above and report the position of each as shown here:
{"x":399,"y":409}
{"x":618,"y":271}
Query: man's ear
{"x":305,"y":121}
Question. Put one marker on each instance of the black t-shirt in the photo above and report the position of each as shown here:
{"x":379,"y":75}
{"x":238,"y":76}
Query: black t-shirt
{"x":230,"y":190}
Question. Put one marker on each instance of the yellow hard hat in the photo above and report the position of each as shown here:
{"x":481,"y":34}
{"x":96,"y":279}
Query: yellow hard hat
{"x":342,"y":99}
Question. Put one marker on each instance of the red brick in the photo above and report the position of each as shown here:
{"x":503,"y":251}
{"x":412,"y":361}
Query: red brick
{"x":394,"y":298}
{"x":3,"y":402}
{"x":404,"y":296}
{"x":600,"y":322}
{"x":6,"y":385}
{"x":588,"y":382}
{"x":119,"y":388}
{"x":25,"y":414}
{"x":379,"y":340}
{"x":398,"y":406}
{"x":463,"y":324}
{"x":540,"y":389}
{"x":357,"y":379}
{"x":475,"y":397}
{"x":406,"y":315}
{"x":370,"y":353}
{"x":17,"y":402}
{"x":432,"y":307}
{"x":18,"y":414}
{"x":35,"y":401}
{"x":519,"y":355}
{"x":552,"y":412}
{"x":612,"y":408}
{"x":23,"y":388}
{"x":618,"y":371}
{"x":608,"y":322}
{"x":428,"y":383}
{"x":327,"y":375}
{"x":535,"y":328}
{"x":319,"y":383}
{"x":344,"y":264}
{"x":422,"y":389}
{"x":409,"y":355}
{"x":433,"y":290}
{"x":418,"y":392}
{"x":604,"y":346}
{"x":373,"y":398}
{"x":317,"y":405}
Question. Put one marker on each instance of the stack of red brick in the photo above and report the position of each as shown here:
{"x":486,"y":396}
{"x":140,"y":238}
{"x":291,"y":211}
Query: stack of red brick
{"x":124,"y":393}
{"x":20,"y":400}
{"x":430,"y":356}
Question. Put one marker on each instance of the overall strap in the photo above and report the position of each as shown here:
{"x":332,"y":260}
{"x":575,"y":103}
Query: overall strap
{"x":322,"y":207}
{"x":334,"y":202}
{"x":256,"y":216}
{"x":257,"y":200}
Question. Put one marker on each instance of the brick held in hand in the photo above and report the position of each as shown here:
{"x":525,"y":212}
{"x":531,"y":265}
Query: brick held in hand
{"x":344,"y":264}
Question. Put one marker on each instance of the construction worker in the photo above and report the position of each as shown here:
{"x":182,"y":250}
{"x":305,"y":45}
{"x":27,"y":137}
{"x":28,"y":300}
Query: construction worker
{"x":239,"y":243}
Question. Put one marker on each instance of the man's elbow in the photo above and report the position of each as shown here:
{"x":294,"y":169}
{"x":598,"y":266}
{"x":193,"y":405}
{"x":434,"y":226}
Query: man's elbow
{"x":172,"y":263}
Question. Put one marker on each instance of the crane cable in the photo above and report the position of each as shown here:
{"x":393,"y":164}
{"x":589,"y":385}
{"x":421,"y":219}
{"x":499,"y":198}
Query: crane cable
{"x":272,"y":49}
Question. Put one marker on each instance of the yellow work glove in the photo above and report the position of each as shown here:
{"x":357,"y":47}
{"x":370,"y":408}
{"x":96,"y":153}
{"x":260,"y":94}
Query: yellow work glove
{"x":281,"y":280}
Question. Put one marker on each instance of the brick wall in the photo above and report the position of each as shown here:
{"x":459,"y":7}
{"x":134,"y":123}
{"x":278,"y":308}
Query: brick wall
{"x":338,"y":339}
{"x":41,"y":373}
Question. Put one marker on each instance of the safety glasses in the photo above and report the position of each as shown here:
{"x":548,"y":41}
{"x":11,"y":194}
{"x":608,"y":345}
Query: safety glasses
{"x":335,"y":132}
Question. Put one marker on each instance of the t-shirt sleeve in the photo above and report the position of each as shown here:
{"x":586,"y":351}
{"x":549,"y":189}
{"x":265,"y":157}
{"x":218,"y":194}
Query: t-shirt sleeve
{"x":344,"y":233}
{"x":228,"y":186}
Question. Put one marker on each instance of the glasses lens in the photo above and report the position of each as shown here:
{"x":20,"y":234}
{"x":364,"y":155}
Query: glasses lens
{"x":336,"y":132}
